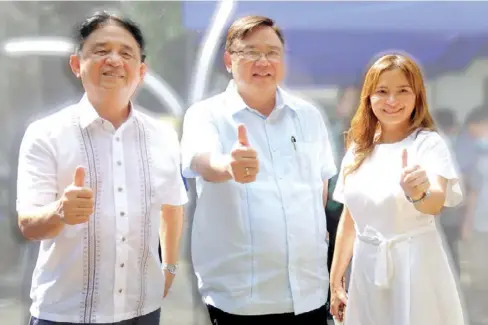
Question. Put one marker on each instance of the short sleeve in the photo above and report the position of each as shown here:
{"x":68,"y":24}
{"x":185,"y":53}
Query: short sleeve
{"x":174,"y":192}
{"x":328,"y":168}
{"x":436,"y":158}
{"x":338,"y":194}
{"x":200,"y":135}
{"x":36,"y":174}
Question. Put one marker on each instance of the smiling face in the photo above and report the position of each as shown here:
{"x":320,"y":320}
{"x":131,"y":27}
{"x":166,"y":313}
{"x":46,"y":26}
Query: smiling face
{"x":393,"y":102}
{"x":256,"y":61}
{"x":393,"y":99}
{"x":109,"y":63}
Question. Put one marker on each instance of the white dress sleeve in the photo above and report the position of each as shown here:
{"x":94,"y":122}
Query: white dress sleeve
{"x":348,"y":159}
{"x":435,"y":157}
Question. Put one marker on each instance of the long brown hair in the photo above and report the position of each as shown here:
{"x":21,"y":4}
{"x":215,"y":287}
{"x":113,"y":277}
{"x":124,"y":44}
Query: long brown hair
{"x":364,"y":124}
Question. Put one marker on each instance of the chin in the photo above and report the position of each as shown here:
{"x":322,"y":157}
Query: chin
{"x":111,"y":89}
{"x":395,"y":122}
{"x":264,"y":84}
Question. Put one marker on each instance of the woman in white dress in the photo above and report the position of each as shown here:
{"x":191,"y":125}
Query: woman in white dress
{"x":395,"y":178}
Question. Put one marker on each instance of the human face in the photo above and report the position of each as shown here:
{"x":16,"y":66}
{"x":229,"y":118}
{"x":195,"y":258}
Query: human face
{"x":109,"y":64}
{"x":256,"y":61}
{"x":393,"y":99}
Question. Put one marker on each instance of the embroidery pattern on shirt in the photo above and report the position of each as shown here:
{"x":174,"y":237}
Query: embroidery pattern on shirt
{"x":146,"y":199}
{"x":91,"y":238}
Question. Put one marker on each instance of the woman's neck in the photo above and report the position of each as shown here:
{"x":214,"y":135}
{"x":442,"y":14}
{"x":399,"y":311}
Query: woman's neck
{"x":392,"y":134}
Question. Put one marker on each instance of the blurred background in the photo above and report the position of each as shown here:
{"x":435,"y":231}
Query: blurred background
{"x":328,"y":46}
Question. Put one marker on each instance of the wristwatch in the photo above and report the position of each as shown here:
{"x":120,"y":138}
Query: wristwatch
{"x":171,"y":268}
{"x":423,"y":197}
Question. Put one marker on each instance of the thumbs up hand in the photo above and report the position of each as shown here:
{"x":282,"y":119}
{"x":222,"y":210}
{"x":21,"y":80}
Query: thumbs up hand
{"x":77,"y":200}
{"x":414,"y":180}
{"x":244,"y":164}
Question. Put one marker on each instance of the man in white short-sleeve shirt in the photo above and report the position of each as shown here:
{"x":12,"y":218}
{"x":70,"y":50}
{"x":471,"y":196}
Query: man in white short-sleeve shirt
{"x":262,"y":160}
{"x":98,"y":184}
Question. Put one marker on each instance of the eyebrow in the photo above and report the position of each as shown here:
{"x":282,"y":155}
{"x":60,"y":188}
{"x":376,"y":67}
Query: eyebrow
{"x":103,"y":44}
{"x":272,"y":47}
{"x":401,"y":86}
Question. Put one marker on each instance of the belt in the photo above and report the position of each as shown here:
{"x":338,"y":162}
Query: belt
{"x":384,"y":263}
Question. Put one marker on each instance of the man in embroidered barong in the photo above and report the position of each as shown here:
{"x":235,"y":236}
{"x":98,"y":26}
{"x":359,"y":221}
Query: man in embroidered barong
{"x":99,"y":185}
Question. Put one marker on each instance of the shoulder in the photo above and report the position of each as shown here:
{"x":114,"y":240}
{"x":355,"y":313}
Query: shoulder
{"x":53,"y":125}
{"x":431,"y":148}
{"x":350,"y":152}
{"x":428,"y":138}
{"x":348,"y":157}
{"x":310,"y":112}
{"x":426,"y":134}
{"x":156,"y":127}
{"x":300,"y":104}
{"x":207,"y":107}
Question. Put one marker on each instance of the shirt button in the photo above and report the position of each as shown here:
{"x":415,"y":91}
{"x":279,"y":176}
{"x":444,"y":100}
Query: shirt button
{"x":122,"y":265}
{"x":119,"y":163}
{"x":120,"y":189}
{"x":120,"y":290}
{"x":123,"y":239}
{"x":117,"y":139}
{"x":122,"y":213}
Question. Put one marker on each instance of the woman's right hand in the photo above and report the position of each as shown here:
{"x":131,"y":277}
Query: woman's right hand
{"x":338,"y":301}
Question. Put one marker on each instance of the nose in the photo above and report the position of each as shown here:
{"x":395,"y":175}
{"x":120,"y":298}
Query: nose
{"x":262,"y":60}
{"x":391,"y":100}
{"x":114,"y":59}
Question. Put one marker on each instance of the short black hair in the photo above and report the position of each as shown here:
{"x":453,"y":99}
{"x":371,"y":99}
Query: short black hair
{"x":102,"y":18}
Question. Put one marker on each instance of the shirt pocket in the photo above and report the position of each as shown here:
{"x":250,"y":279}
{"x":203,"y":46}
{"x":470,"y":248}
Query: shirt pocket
{"x":308,"y":160}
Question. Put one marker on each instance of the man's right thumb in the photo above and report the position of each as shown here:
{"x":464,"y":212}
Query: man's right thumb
{"x":242,"y":135}
{"x":79,"y":177}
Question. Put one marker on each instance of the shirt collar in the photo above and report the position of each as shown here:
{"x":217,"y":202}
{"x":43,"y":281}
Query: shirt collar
{"x":88,"y":113}
{"x":236,"y":103}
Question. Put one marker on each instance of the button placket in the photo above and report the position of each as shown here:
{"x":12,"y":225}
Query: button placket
{"x":284,"y":152}
{"x":121,"y":219}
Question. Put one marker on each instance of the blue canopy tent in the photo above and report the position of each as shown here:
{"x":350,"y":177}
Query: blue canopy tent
{"x":331,"y":43}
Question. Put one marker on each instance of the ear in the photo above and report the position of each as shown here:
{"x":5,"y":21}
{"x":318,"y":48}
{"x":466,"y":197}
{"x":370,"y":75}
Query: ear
{"x":228,"y":61}
{"x":74,"y":62}
{"x":142,"y":73}
{"x":142,"y":70}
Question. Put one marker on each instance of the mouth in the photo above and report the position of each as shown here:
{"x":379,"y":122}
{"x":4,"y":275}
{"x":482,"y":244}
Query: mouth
{"x":393,"y":111}
{"x":261,"y":75}
{"x":113,"y":75}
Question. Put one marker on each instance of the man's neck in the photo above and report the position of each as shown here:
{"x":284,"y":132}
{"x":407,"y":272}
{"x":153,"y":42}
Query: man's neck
{"x":263,"y":102}
{"x":116,"y":112}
